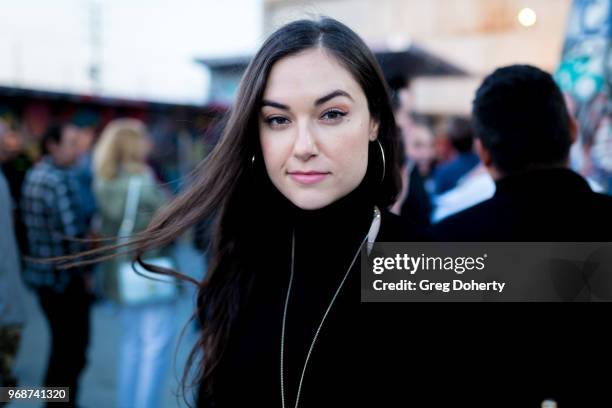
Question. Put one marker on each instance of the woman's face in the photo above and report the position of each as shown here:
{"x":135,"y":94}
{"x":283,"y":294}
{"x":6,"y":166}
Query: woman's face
{"x":314,"y":129}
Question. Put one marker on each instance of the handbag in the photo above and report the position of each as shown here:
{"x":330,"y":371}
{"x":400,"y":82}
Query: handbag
{"x":137,"y":285}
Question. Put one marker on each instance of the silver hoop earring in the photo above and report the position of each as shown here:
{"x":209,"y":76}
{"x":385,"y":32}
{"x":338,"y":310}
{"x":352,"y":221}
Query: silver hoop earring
{"x":253,"y":161}
{"x":382,"y":152}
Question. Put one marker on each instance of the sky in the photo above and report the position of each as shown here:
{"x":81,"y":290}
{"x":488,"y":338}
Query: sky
{"x":145,"y":49}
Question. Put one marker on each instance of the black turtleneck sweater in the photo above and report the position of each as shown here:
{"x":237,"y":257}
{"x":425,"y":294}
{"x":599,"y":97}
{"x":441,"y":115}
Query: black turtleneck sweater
{"x":326,"y":241}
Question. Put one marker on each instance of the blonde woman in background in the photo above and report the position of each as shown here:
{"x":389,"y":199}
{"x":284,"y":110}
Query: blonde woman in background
{"x":148,"y":329}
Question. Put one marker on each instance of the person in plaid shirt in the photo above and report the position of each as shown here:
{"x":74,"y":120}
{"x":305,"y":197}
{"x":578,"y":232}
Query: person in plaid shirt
{"x":51,"y":211}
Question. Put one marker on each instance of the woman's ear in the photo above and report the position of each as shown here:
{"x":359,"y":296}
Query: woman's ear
{"x":373,"y":131}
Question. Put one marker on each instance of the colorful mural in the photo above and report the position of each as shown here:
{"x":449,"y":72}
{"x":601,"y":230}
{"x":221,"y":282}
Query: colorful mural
{"x":584,"y":75}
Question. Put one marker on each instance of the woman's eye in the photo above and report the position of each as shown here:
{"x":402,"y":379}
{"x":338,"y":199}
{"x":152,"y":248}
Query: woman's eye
{"x":333,"y":115}
{"x":276,"y":121}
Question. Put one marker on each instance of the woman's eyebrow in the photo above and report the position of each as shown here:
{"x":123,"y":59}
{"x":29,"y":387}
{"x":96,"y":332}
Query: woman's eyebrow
{"x":320,"y":101}
{"x":331,"y":95}
{"x":274,"y":104}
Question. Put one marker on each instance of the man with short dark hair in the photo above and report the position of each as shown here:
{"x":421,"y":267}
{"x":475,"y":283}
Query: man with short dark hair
{"x":523,"y":136}
{"x":53,"y":218}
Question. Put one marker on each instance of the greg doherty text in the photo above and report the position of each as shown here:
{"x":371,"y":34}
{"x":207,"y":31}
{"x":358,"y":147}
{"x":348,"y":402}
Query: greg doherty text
{"x":427,"y":286}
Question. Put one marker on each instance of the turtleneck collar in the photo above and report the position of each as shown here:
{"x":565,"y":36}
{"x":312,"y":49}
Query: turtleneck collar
{"x":350,"y":213}
{"x":332,"y":231}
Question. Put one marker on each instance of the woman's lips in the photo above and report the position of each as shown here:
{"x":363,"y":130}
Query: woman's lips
{"x":308,"y":177}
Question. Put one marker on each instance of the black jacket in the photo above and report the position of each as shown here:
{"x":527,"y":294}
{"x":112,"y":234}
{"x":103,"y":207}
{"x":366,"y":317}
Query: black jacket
{"x":545,"y":205}
{"x":523,"y":353}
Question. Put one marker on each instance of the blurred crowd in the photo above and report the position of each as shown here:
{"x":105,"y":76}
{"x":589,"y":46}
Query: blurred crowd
{"x":60,"y":190}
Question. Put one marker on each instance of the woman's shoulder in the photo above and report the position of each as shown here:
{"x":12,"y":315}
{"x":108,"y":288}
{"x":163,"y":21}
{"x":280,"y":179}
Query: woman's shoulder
{"x":394,"y":228}
{"x":119,"y":182}
{"x":123,"y":177}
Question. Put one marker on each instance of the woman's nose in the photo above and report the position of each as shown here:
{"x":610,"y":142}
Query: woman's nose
{"x":305,"y":145}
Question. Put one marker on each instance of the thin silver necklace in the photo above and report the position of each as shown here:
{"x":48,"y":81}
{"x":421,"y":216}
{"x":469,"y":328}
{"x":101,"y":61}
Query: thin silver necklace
{"x":369,"y":238}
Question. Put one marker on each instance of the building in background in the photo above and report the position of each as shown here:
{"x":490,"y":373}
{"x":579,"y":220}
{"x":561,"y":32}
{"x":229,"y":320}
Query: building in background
{"x":476,"y":35}
{"x":399,"y":68}
{"x":137,"y":49}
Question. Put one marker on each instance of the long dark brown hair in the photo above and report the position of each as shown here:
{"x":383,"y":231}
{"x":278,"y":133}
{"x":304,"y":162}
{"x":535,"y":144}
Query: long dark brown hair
{"x":222,"y":179}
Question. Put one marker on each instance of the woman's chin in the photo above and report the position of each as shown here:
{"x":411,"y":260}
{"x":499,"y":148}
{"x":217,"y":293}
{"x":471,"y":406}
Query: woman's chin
{"x":311,"y":201}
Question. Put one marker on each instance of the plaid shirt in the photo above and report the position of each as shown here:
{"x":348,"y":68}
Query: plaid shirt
{"x":50,"y":208}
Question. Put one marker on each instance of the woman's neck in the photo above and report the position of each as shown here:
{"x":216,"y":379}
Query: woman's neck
{"x":343,"y":222}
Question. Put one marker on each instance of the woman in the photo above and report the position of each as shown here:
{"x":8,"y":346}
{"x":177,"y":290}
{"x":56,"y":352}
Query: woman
{"x":147,"y":329}
{"x":309,"y":150}
{"x":306,"y":165}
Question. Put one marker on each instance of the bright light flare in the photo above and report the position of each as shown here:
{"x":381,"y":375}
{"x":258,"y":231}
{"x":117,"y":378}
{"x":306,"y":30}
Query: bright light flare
{"x":527,"y":17}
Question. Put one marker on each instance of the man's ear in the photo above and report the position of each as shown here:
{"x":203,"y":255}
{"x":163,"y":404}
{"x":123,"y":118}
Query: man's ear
{"x":573,"y":129}
{"x":373,"y":131}
{"x":483,"y":153}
